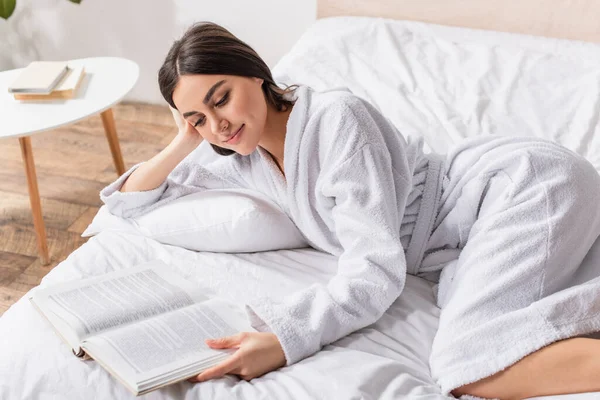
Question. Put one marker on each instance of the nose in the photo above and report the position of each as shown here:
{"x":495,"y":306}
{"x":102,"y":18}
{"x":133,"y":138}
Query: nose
{"x":219,"y":126}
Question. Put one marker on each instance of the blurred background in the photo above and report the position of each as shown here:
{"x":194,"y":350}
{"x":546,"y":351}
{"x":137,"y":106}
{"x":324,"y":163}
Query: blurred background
{"x":143,"y":30}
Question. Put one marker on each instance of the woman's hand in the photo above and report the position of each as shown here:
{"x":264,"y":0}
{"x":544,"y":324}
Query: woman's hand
{"x":187,"y":132}
{"x":257,"y":354}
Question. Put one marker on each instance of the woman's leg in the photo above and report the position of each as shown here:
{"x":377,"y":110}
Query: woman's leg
{"x":525,"y":215}
{"x":563,"y":367}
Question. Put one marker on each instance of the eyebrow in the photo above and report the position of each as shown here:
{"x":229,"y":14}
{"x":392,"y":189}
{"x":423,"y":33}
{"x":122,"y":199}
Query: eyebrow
{"x":209,"y":94}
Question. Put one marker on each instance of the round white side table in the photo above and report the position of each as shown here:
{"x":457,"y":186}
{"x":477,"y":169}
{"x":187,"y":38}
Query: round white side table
{"x":106,"y":81}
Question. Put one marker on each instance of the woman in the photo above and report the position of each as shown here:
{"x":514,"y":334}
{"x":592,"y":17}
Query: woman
{"x":502,"y":223}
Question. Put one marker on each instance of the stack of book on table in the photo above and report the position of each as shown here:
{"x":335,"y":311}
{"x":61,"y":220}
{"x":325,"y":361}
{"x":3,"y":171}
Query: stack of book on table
{"x":46,"y":80}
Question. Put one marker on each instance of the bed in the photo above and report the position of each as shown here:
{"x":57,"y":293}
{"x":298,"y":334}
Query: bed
{"x":439,"y":81}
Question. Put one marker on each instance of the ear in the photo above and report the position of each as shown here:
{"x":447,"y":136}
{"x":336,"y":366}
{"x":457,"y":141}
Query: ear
{"x":258,"y":80}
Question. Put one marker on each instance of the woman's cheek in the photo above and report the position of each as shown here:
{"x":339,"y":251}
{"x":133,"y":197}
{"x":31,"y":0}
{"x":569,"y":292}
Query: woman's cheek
{"x":237,"y":113}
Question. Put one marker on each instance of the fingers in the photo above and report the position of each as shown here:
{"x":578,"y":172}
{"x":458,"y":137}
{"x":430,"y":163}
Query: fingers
{"x":179,"y":120}
{"x":257,"y":354}
{"x":226,"y":342}
{"x":219,"y":370}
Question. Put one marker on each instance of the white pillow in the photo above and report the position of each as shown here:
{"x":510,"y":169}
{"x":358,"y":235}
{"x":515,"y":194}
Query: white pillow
{"x":229,"y":221}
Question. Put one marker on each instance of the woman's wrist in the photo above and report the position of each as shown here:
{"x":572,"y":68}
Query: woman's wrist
{"x":152,"y":173}
{"x":182,"y":145}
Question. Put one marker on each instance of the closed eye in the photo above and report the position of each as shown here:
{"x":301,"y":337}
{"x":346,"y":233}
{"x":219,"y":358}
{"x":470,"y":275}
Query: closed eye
{"x":220,"y":103}
{"x":200,"y":120}
{"x":223,"y":100}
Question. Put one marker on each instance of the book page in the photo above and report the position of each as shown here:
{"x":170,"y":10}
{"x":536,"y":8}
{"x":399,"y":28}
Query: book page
{"x":168,"y":346}
{"x":122,"y":297}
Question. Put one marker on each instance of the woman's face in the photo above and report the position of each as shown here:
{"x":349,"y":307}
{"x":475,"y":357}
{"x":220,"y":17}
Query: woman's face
{"x":228,"y":111}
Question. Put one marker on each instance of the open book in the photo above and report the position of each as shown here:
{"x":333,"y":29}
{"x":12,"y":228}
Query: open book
{"x":145,"y":325}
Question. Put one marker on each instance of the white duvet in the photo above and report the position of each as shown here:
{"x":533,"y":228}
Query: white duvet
{"x":442,"y":83}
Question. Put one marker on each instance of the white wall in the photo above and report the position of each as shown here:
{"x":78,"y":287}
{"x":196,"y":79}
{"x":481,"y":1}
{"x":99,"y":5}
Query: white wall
{"x":143,"y":30}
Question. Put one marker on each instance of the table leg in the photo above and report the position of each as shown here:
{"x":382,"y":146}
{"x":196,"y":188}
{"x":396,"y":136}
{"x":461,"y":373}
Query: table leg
{"x":113,"y":141}
{"x":34,"y":199}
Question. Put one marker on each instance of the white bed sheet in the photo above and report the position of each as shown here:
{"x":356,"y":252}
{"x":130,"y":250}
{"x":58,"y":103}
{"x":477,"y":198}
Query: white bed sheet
{"x":440,"y":82}
{"x":387,"y":360}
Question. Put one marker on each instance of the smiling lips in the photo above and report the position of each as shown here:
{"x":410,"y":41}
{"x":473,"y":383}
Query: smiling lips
{"x":233,"y":139}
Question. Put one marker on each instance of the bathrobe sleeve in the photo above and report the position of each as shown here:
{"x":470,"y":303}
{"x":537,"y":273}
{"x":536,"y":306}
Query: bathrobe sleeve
{"x":371,"y":269}
{"x":188,"y":177}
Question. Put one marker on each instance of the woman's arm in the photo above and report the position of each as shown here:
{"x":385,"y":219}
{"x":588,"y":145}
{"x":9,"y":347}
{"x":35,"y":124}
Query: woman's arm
{"x":170,"y":174}
{"x":371,"y":270}
{"x":152,"y":173}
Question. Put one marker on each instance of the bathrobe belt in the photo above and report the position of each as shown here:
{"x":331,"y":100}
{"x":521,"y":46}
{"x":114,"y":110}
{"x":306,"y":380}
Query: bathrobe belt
{"x":430,"y":200}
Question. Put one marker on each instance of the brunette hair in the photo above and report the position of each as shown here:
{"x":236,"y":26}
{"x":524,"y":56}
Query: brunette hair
{"x":208,"y":48}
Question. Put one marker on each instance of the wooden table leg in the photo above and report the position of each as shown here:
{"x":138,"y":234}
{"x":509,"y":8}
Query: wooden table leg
{"x":113,"y":141}
{"x":34,"y":199}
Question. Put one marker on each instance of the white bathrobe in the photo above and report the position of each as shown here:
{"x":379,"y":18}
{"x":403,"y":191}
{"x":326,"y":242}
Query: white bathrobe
{"x":501,"y":223}
{"x":512,"y":238}
{"x":353,"y":186}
